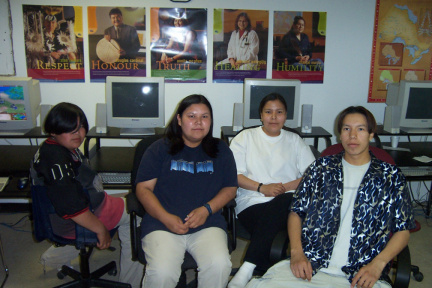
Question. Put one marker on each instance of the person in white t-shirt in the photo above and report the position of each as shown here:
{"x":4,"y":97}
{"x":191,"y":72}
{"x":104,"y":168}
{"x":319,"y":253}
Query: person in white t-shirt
{"x":270,"y":163}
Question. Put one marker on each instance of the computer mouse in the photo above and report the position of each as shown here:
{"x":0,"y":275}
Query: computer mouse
{"x":22,"y":183}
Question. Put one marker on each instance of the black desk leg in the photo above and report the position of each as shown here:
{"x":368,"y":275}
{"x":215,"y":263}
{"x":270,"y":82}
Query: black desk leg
{"x":328,"y":141}
{"x":429,"y":203}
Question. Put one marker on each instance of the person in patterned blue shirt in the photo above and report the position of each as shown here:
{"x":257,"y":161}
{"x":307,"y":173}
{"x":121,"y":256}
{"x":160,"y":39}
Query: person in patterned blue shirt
{"x":343,"y":214}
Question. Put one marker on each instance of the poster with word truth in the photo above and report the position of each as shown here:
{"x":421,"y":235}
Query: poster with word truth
{"x":240,"y":47}
{"x":178,"y":44}
{"x":117,"y":45}
{"x":53,"y":37}
{"x":299,"y":40}
{"x":402,"y":43}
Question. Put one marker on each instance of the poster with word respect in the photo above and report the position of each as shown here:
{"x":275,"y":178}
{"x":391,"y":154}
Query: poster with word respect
{"x":53,"y":37}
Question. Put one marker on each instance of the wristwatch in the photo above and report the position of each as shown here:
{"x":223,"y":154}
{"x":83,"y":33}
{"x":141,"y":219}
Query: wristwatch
{"x":259,"y":186}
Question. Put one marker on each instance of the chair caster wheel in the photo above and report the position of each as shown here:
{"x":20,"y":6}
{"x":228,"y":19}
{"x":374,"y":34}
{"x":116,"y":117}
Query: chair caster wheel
{"x":113,"y":272}
{"x":60,"y":275}
{"x":418,"y":276}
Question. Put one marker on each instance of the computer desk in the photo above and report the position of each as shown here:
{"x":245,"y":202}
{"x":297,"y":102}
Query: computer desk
{"x":317,"y":133}
{"x":112,"y":159}
{"x":15,"y":159}
{"x":15,"y":162}
{"x":405,"y":158}
{"x":112,"y":133}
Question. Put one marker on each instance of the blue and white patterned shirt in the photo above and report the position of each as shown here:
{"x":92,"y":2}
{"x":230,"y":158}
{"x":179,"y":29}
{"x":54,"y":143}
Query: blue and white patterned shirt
{"x":382,"y":207}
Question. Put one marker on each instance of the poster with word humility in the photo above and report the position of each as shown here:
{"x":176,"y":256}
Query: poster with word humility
{"x":299,"y":40}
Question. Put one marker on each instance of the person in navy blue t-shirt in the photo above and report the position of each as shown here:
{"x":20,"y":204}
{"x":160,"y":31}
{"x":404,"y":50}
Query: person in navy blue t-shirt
{"x":183,"y":182}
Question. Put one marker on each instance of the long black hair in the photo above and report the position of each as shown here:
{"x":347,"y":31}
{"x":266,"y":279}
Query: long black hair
{"x":174,"y":132}
{"x":63,"y":118}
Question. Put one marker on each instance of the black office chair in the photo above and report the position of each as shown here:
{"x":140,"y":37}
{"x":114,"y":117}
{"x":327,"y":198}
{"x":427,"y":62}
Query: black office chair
{"x":402,"y":264}
{"x":135,"y":209}
{"x":85,"y":241}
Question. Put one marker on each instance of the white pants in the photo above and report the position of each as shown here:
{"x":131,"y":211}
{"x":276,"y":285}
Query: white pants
{"x":281,"y":276}
{"x":130,"y":271}
{"x":164,"y":252}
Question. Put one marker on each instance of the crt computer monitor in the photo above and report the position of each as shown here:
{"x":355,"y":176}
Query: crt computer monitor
{"x":256,"y":89}
{"x":415,"y":100}
{"x":20,"y":100}
{"x":135,"y":104}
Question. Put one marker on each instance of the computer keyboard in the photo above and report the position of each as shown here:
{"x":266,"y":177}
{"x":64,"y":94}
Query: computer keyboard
{"x":416,"y":171}
{"x":115,"y":177}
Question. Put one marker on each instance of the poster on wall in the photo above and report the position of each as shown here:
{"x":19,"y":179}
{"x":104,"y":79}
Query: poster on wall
{"x":240,"y":47}
{"x":299,"y":40}
{"x":53,"y":37}
{"x":117,"y":45}
{"x":402,"y":43}
{"x":179,"y":44}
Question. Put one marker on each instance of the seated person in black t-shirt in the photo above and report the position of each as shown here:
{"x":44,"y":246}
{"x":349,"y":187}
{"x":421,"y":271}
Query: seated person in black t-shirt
{"x":77,"y":194}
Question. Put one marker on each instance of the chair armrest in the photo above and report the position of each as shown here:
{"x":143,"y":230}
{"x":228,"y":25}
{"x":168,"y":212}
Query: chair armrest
{"x":278,"y":250}
{"x":135,"y":209}
{"x":230,"y":216}
{"x":135,"y":236}
{"x":133,"y":205}
{"x":403,"y":269}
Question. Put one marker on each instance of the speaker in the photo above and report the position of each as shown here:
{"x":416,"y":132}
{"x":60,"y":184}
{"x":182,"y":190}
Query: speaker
{"x":392,"y":116}
{"x":238,"y":117}
{"x":101,"y":118}
{"x":306,"y":120}
{"x":44,"y":109}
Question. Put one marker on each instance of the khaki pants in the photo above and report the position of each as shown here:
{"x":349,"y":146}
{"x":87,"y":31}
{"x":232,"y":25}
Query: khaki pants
{"x":281,"y":276}
{"x":164,"y":252}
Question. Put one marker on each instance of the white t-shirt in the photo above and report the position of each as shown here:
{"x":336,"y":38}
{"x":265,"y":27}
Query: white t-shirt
{"x":267,"y":159}
{"x":353,"y":175}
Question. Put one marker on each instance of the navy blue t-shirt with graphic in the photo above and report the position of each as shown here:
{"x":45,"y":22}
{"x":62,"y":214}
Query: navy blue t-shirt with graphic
{"x":186,"y":181}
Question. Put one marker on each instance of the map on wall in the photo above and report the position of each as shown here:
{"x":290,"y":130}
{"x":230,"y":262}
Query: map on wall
{"x":401,"y":45}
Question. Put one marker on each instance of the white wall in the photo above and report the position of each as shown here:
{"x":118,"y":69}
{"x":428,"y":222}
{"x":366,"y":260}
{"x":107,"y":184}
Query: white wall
{"x":346,"y":77}
{"x":347,"y":64}
{"x":7,"y":67}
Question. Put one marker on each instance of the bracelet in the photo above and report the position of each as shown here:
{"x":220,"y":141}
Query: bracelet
{"x":207,"y":206}
{"x":259,"y":186}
